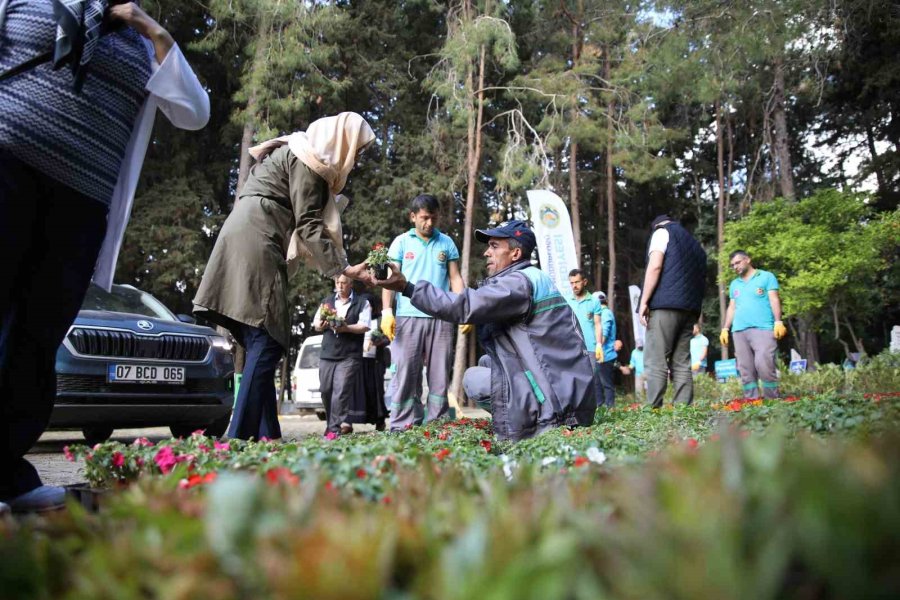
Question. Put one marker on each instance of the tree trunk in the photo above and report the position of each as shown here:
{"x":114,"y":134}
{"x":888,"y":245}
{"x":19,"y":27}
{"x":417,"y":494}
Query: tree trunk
{"x":574,"y":206}
{"x":610,"y":191}
{"x":876,"y":166}
{"x":598,"y":243}
{"x":258,"y":66}
{"x":473,"y":160}
{"x":782,"y":137}
{"x":720,"y":219}
{"x":808,"y":340}
{"x":246,"y":142}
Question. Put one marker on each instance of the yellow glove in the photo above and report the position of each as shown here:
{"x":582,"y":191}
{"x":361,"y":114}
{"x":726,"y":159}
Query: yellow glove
{"x":779,"y":330}
{"x":695,"y":367}
{"x":466,"y":328}
{"x":723,"y":337}
{"x":598,"y":352}
{"x":388,"y":326}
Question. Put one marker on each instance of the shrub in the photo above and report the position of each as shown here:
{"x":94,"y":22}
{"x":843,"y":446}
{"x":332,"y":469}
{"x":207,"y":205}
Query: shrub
{"x":766,"y":517}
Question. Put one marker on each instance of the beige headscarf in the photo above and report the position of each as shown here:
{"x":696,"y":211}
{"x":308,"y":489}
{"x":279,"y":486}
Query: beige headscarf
{"x":329,"y":147}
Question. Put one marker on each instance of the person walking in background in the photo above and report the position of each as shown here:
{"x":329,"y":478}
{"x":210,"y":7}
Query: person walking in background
{"x":72,"y":146}
{"x":636,"y":365}
{"x":587,"y":310}
{"x":671,"y":300}
{"x":419,"y":340}
{"x":340,"y":361}
{"x":286,"y":212}
{"x":754,"y":314}
{"x":607,"y":355}
{"x":699,"y":351}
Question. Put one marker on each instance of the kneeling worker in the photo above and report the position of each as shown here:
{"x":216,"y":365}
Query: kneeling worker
{"x":540,"y":375}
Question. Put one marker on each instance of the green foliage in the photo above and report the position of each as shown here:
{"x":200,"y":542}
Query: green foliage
{"x":771,"y":516}
{"x":826,"y":250}
{"x":278,"y":64}
{"x":167,"y":241}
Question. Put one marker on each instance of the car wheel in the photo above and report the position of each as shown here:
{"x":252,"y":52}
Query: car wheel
{"x":218,"y":427}
{"x":96,"y":435}
{"x":321,"y":414}
{"x":215,"y":429}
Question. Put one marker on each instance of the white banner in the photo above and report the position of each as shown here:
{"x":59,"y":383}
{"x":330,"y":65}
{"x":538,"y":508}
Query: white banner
{"x":555,"y":242}
{"x":634,"y":292}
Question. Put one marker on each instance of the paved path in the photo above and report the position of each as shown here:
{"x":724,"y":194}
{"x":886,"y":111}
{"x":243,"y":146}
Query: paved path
{"x":47,"y":454}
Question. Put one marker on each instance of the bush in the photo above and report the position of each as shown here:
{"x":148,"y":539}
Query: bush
{"x":766,"y":517}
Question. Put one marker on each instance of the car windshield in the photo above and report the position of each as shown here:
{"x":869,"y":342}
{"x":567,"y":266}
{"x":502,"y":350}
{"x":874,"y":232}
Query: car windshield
{"x":127,"y":300}
{"x":309,"y":358}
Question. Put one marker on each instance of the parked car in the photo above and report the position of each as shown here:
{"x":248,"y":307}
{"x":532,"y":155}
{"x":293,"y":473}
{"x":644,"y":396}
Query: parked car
{"x":128,"y":361}
{"x":306,"y":393}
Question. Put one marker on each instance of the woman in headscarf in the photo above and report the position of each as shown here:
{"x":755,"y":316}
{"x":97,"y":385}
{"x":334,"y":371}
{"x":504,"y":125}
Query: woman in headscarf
{"x":286,"y":213}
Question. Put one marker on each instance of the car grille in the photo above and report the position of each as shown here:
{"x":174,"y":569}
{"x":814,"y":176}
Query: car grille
{"x":89,"y":385}
{"x":111,"y":343}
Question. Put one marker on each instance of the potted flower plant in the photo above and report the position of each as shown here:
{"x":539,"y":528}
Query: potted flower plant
{"x":330,"y":317}
{"x":377,"y":261}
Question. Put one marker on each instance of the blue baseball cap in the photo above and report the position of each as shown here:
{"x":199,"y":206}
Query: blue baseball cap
{"x":517,"y":230}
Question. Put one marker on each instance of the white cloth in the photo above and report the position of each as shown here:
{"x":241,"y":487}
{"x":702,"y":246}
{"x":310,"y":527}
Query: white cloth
{"x":175,"y":90}
{"x":370,"y":349}
{"x":329,"y":146}
{"x":659,"y":241}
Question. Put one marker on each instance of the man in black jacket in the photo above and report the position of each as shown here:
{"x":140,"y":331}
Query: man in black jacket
{"x":340,"y":363}
{"x":671,"y":301}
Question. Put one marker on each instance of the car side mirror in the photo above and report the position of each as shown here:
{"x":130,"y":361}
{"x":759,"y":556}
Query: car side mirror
{"x":187,"y":319}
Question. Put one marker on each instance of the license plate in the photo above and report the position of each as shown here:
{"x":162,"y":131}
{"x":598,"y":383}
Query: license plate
{"x":144,"y":374}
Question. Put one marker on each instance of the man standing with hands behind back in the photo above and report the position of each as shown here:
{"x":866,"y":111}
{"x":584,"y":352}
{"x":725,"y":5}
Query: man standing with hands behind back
{"x":755,"y":312}
{"x":422,"y":254}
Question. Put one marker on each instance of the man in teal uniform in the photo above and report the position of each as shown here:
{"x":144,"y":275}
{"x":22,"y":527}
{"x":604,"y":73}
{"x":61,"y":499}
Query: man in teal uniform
{"x":699,"y":351}
{"x":754,"y":313}
{"x":419,"y":340}
{"x":636,"y":365}
{"x":587,"y":310}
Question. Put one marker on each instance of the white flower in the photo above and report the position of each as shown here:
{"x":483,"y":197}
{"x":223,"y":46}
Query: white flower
{"x":508,"y":466}
{"x":548,"y":460}
{"x":595,"y":455}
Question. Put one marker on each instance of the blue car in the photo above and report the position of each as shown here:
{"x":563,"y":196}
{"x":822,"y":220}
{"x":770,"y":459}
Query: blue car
{"x":128,"y":361}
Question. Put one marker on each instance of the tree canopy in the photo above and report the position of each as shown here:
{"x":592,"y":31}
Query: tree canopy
{"x":708,"y":111}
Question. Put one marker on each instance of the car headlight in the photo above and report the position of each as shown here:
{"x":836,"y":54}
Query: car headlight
{"x":221,"y":343}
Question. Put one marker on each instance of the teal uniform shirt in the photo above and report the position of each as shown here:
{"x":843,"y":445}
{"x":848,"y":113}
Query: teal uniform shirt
{"x":637,"y":361}
{"x":422,"y":260}
{"x":698,"y":343}
{"x":608,"y":329}
{"x":585,"y":309}
{"x":751,"y":299}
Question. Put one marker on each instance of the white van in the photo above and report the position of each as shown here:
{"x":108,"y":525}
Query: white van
{"x":305,"y":380}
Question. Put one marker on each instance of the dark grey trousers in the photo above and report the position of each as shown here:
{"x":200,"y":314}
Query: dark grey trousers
{"x":667,"y":347}
{"x":420,"y":342}
{"x":337,"y":382}
{"x":754,"y":350}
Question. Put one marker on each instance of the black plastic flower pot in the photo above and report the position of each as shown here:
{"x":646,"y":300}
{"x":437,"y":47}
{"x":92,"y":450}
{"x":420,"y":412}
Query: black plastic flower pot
{"x":379,"y":271}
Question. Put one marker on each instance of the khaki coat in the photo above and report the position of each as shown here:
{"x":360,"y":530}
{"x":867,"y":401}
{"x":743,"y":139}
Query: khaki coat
{"x":246,"y":278}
